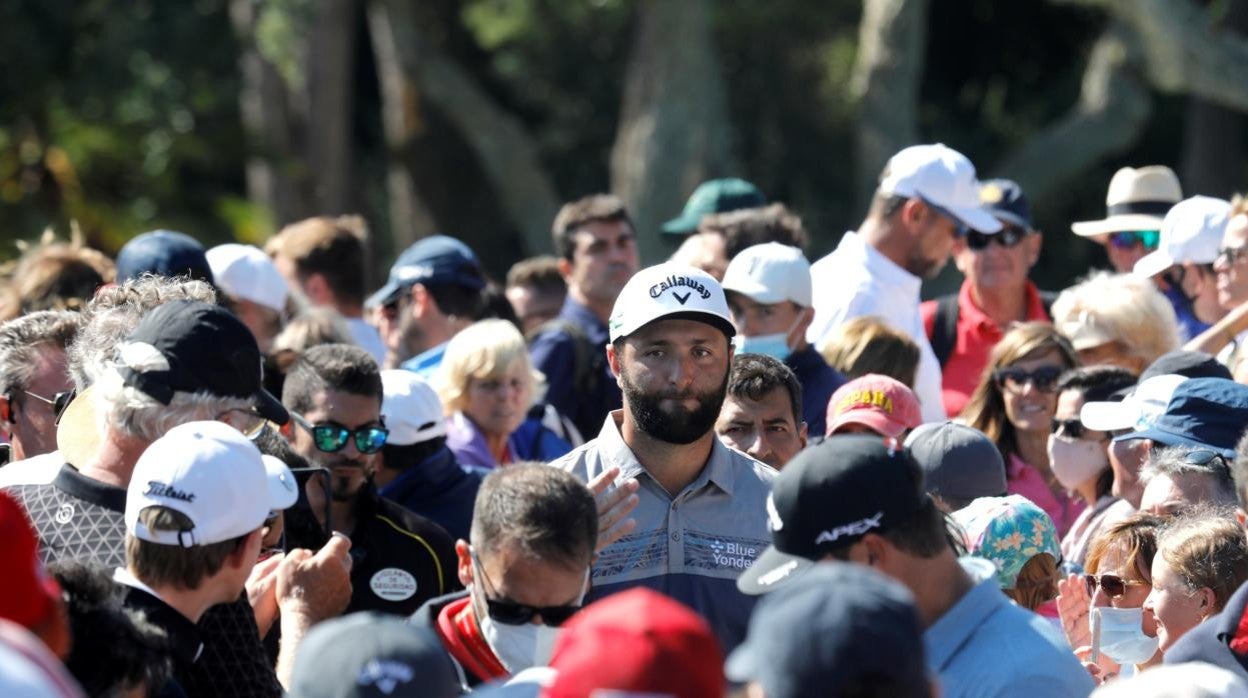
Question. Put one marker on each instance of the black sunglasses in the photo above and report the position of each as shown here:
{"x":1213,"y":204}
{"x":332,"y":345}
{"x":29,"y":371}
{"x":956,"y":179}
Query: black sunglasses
{"x":1072,"y":428}
{"x":1008,"y":237}
{"x":1231,"y":254}
{"x":332,"y":437}
{"x":511,"y":613}
{"x":58,"y":402}
{"x":1203,"y":456}
{"x":1043,"y":379}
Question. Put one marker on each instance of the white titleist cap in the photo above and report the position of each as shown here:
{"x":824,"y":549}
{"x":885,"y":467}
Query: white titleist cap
{"x":669,"y":290}
{"x":214,"y":476}
{"x":243,"y":271}
{"x":1137,"y":410}
{"x":1190,"y":233}
{"x":770,"y":273}
{"x":943,"y":177}
{"x":410,"y":407}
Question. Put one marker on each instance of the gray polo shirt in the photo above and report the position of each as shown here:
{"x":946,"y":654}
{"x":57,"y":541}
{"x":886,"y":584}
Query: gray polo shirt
{"x":691,"y":546}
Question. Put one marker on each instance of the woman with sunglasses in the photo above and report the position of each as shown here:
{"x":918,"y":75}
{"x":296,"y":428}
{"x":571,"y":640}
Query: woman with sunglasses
{"x":1079,"y":456}
{"x":1117,"y":581}
{"x":487,"y":384}
{"x":1014,"y":403}
{"x":1201,"y":560}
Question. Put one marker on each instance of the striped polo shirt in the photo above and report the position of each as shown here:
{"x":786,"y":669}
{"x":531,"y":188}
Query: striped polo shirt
{"x":691,"y":545}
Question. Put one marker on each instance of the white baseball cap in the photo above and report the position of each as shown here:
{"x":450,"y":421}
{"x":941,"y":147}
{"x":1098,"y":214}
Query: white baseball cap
{"x":214,"y":476}
{"x":1191,"y":232}
{"x":669,"y":290}
{"x":770,"y":273}
{"x":1137,"y":410}
{"x":243,"y":271}
{"x":410,"y":408}
{"x":943,"y":177}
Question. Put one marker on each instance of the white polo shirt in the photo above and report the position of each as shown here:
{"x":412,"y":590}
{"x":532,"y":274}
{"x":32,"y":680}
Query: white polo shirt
{"x":855,"y":280}
{"x":692,"y":545}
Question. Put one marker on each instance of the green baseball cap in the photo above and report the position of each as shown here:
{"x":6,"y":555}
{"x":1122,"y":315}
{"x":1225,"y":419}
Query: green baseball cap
{"x":715,"y":196}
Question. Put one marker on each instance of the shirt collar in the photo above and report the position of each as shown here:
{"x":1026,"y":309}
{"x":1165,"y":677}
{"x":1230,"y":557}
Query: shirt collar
{"x":1034,"y":306}
{"x":946,"y":637}
{"x":885,"y":270}
{"x":79,"y":486}
{"x":183,"y":635}
{"x":611,"y":447}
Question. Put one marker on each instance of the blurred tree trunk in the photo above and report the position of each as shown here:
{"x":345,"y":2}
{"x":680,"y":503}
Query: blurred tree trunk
{"x":892,"y":39}
{"x":673,"y":130}
{"x":1112,"y":111}
{"x":296,"y":104}
{"x":414,"y":70}
{"x":1213,"y":135}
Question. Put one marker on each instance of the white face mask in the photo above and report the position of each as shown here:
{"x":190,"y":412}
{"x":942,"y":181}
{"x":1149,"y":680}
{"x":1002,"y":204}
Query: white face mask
{"x":519,"y":647}
{"x":1122,"y":635}
{"x":1075,"y":461}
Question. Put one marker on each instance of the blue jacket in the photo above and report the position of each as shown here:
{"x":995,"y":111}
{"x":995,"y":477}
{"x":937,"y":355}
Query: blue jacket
{"x":554,"y":354}
{"x":439,"y":489}
{"x":819,"y":381}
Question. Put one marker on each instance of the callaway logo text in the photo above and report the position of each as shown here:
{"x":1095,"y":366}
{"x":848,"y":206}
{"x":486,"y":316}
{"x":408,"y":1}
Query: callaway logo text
{"x":673,"y":282}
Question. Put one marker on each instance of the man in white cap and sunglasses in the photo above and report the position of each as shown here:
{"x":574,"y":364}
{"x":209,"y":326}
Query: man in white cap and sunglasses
{"x":1182,"y":264}
{"x":700,"y":517}
{"x":927,"y":198}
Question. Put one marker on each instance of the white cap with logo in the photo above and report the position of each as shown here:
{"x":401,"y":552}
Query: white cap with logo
{"x":243,"y":271}
{"x":410,"y":407}
{"x":214,"y":476}
{"x":770,"y":273}
{"x":1136,"y":410}
{"x":669,"y":290}
{"x":940,"y":176}
{"x":1190,"y":233}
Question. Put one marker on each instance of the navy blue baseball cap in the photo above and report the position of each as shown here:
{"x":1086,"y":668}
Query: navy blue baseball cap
{"x":1202,"y":412}
{"x":438,"y":259}
{"x":1004,"y":199}
{"x":163,"y":253}
{"x":838,"y":625}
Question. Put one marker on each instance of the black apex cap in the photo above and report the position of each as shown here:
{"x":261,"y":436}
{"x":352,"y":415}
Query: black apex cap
{"x":828,"y":497}
{"x":208,"y":349}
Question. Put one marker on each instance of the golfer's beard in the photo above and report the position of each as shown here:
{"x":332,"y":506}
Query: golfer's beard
{"x":674,"y":425}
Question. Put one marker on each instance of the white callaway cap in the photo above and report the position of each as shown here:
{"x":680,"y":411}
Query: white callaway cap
{"x":770,"y":273}
{"x":243,"y":271}
{"x":1137,"y":410}
{"x":669,"y":290}
{"x":1191,"y":232}
{"x":410,"y":408}
{"x":941,"y":176}
{"x":215,"y":477}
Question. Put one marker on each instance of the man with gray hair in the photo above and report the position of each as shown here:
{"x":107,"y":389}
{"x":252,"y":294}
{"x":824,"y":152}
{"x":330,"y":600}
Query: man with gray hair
{"x":1180,"y":477}
{"x":34,"y":383}
{"x":185,"y":361}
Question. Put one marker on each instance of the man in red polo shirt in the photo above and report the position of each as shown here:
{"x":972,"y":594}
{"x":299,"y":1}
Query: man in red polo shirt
{"x":964,"y":327}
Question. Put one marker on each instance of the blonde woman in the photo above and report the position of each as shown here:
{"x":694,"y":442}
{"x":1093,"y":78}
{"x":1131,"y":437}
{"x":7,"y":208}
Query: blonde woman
{"x":1117,"y":319}
{"x":489,"y":390}
{"x":1014,"y":405}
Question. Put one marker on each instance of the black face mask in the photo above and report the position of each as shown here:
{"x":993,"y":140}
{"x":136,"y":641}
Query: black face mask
{"x":673,"y":427}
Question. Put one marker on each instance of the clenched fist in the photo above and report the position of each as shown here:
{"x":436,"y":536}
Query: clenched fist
{"x":316,"y":585}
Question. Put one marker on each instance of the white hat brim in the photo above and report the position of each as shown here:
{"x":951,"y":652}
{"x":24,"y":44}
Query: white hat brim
{"x":1109,"y":416}
{"x":753,"y":290}
{"x":1117,"y":224}
{"x":283,"y":488}
{"x":1152,"y":264}
{"x":977,"y":218}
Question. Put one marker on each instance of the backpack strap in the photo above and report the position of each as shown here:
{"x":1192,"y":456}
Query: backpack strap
{"x":945,"y":328}
{"x":587,"y":362}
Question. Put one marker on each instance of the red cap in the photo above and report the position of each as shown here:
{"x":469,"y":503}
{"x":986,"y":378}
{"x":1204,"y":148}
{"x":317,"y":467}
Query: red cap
{"x":637,"y":641}
{"x":883,"y":404}
{"x":26,"y":590}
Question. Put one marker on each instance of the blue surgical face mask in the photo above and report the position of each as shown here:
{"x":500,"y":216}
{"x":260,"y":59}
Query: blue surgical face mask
{"x":775,"y":345}
{"x":1122,"y":635}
